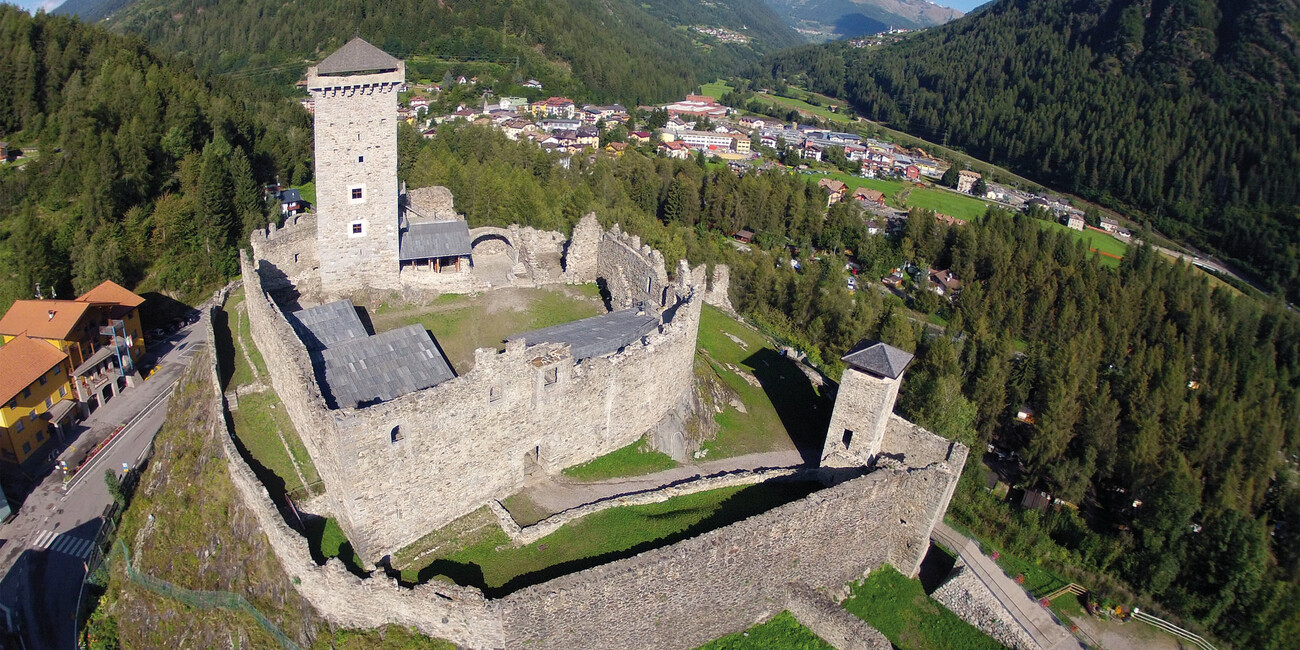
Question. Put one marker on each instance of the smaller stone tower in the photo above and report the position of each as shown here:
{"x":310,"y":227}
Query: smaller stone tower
{"x":868,"y":388}
{"x":355,"y":92}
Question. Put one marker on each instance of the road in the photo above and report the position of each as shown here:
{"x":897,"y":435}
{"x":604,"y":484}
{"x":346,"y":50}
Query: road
{"x":44,"y":548}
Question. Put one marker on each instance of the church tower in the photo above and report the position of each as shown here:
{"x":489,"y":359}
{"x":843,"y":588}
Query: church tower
{"x":872,"y":375}
{"x":355,"y":94}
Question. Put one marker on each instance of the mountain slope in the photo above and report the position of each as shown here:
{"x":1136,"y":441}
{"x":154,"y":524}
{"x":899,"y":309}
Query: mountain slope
{"x":1186,"y":111}
{"x":597,"y":49}
{"x":822,"y":19}
{"x":89,"y":10}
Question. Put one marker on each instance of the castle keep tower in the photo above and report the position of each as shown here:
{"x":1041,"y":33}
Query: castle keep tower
{"x":355,"y":92}
{"x":868,"y":388}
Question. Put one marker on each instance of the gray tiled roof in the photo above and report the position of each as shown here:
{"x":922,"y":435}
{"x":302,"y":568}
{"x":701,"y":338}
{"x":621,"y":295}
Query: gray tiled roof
{"x":598,"y":335}
{"x":384,"y":366}
{"x":878,"y":358}
{"x":328,"y":325}
{"x":357,"y":56}
{"x":434,"y":239}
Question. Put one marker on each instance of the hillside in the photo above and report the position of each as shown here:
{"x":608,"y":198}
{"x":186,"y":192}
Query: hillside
{"x":1186,"y":113}
{"x":89,"y":10}
{"x":597,"y":50}
{"x":133,"y":168}
{"x":820,"y":20}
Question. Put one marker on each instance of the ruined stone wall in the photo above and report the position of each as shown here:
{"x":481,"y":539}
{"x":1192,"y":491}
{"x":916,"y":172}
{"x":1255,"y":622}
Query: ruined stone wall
{"x":475,"y":438}
{"x":723,"y":581}
{"x":633,"y":272}
{"x":289,"y":251}
{"x":719,"y":293}
{"x":581,"y":253}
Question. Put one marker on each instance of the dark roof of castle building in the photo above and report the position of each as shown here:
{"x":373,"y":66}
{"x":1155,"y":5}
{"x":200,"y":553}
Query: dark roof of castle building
{"x":878,"y":358}
{"x":384,"y":366}
{"x":360,"y":369}
{"x":598,"y":335}
{"x":328,"y":325}
{"x":357,"y":56}
{"x":422,"y":241}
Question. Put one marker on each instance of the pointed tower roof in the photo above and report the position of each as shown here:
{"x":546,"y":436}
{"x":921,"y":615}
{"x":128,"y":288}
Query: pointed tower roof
{"x":878,"y":358}
{"x":357,"y":56}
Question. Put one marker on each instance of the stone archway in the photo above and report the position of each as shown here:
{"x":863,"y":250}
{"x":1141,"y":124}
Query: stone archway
{"x":495,"y":255}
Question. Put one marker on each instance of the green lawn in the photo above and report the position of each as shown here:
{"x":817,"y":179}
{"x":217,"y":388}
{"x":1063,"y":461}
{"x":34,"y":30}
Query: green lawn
{"x":326,"y":540}
{"x":899,"y":608}
{"x":784,"y":410}
{"x":483,"y":556}
{"x":799,"y":104}
{"x":463,"y":323}
{"x":240,"y":372}
{"x":716,"y":89}
{"x":782,"y":631}
{"x":1094,"y":240}
{"x":633,"y":460}
{"x":308,"y":193}
{"x":259,"y":423}
{"x":949,"y":203}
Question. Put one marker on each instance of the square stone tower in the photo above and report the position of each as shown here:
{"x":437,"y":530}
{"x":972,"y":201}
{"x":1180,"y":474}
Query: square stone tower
{"x":355,"y":93}
{"x":868,"y":388}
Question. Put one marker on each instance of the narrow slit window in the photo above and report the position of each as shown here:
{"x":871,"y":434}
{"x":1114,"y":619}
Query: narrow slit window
{"x":396,"y":434}
{"x":848,"y":437}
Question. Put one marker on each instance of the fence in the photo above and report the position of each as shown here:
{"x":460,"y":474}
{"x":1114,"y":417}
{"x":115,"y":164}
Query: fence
{"x":1179,"y":632}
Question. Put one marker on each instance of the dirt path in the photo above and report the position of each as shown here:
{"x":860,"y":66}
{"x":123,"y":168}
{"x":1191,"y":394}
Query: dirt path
{"x":555,"y":494}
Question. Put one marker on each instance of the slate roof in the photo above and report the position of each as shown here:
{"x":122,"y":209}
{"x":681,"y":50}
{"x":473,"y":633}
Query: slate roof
{"x":328,"y":325}
{"x":878,"y":358}
{"x":357,"y":56}
{"x":384,"y":366}
{"x":434,"y":239}
{"x":598,"y":335}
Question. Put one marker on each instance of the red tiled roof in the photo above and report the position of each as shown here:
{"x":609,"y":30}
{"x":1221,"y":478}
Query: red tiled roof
{"x":43,"y":319}
{"x":109,"y":291}
{"x":25,"y":360}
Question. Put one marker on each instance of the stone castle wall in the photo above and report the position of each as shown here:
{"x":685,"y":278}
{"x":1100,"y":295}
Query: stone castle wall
{"x":395,"y":470}
{"x":582,"y":251}
{"x":290,"y":251}
{"x":633,"y":272}
{"x":863,"y":406}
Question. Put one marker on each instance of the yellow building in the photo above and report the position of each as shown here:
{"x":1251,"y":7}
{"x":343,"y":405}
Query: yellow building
{"x":78,"y":327}
{"x":36,"y":397}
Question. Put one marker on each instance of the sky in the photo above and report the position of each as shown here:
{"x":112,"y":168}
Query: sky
{"x":963,"y":5}
{"x":33,"y":5}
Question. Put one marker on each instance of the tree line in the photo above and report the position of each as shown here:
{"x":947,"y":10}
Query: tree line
{"x":135,"y":169}
{"x":1183,"y":114}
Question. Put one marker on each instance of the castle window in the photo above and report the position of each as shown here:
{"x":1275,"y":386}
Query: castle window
{"x":357,"y":228}
{"x":361,"y":159}
{"x":357,"y":194}
{"x":396,"y":434}
{"x":552,"y":375}
{"x":647,"y":284}
{"x":848,"y":437}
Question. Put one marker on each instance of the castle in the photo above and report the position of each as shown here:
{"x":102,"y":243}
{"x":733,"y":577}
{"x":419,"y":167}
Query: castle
{"x":404,"y":445}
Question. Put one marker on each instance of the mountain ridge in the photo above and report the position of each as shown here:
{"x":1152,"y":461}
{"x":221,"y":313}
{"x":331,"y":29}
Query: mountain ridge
{"x":833,"y":19}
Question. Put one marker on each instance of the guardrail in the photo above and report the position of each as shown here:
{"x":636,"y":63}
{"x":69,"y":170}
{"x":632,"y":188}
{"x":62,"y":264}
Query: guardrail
{"x":1179,"y":632}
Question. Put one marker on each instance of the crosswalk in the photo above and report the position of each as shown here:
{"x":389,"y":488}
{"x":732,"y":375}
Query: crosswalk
{"x":63,"y":543}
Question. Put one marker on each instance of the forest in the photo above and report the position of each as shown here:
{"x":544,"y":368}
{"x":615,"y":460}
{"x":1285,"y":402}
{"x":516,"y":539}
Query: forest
{"x":134,"y":169}
{"x":596,"y":51}
{"x":1183,"y":114}
{"x":1148,"y":383}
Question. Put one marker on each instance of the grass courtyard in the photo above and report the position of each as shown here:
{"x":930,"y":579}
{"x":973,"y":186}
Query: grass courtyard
{"x":482,"y":556}
{"x":781,"y":631}
{"x":782,"y":409}
{"x":899,"y":608}
{"x":463,"y":323}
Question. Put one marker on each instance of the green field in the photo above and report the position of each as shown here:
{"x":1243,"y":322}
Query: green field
{"x":635,"y":459}
{"x":949,"y":203}
{"x":482,"y":555}
{"x":259,"y":423}
{"x":899,"y":608}
{"x":782,"y":412}
{"x":1094,"y":240}
{"x":798,"y":104}
{"x":462,"y":324}
{"x":783,"y":631}
{"x":716,"y":89}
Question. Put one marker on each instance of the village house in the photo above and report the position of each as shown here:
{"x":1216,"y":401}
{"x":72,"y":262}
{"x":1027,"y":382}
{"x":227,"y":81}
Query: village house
{"x":36,"y":399}
{"x":559,"y":125}
{"x":743,"y":236}
{"x":674,"y":149}
{"x":677,"y":125}
{"x":966,"y":180}
{"x":948,"y":220}
{"x":811,"y":152}
{"x":753,"y":123}
{"x":1074,"y":221}
{"x":638,"y":137}
{"x":834,"y":188}
{"x":873,"y":228}
{"x":1109,"y":225}
{"x":870,"y":197}
{"x":291,"y":202}
{"x":944,"y":283}
{"x":561,"y":107}
{"x":616,"y":149}
{"x":912,"y":172}
{"x":696,"y":106}
{"x":533,"y":84}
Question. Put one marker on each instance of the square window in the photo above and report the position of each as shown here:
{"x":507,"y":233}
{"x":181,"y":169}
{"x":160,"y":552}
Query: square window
{"x":19,"y":426}
{"x":356,"y":228}
{"x":27,"y":447}
{"x":63,"y":391}
{"x":58,"y":369}
{"x":42,"y":380}
{"x":356,"y":193}
{"x":27,"y":392}
{"x":49,"y":401}
{"x":40,"y":436}
{"x":360,"y":159}
{"x":13,"y":403}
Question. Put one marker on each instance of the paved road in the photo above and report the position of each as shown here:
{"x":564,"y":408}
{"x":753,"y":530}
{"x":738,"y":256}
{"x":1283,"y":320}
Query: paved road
{"x":44,"y":547}
{"x":1040,"y":625}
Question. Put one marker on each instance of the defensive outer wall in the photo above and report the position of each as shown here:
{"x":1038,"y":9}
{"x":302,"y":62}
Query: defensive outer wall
{"x":797,"y":557}
{"x":395,"y":470}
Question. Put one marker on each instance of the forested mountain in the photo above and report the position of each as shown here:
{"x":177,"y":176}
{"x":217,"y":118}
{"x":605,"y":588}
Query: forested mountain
{"x":135,"y":169}
{"x":1186,"y":112}
{"x":89,"y":10}
{"x":596,"y":49}
{"x":823,"y":19}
